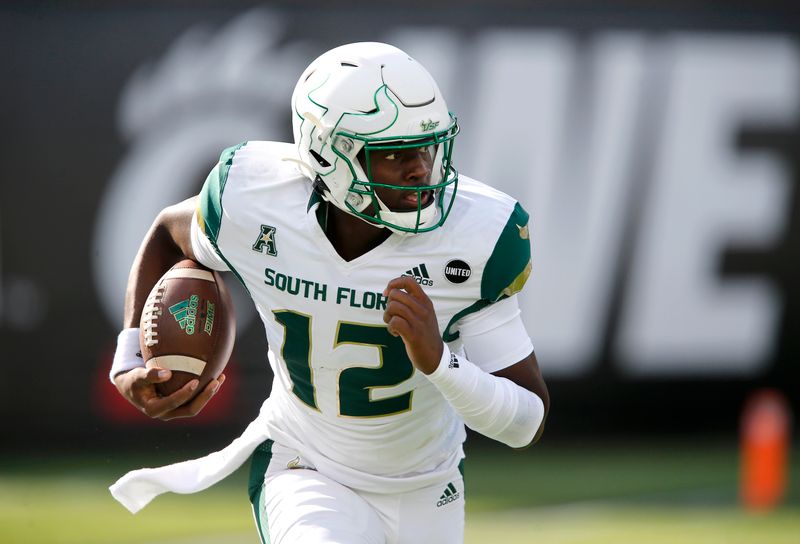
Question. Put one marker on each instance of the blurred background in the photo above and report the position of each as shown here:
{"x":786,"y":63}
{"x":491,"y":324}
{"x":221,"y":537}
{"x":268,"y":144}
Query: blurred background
{"x":656,"y":145}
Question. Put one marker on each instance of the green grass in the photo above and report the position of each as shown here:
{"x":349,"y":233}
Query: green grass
{"x":632,"y":524}
{"x":550,"y":495}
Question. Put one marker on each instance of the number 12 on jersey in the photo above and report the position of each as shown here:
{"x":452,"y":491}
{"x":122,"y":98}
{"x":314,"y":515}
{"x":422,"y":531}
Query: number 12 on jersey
{"x":355,"y":382}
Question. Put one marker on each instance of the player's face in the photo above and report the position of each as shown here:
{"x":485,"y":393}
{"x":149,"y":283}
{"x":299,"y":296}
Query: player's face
{"x":410,"y":167}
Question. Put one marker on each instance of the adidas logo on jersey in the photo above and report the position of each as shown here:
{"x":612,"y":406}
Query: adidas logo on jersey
{"x":450,"y":494}
{"x":419,"y":273}
{"x":453,"y":361}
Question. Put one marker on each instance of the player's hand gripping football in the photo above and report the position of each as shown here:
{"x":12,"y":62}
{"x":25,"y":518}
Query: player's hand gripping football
{"x":410,"y":315}
{"x":138,"y":386}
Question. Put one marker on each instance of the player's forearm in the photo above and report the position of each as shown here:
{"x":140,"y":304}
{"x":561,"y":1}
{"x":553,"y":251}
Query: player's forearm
{"x":491,"y":405}
{"x":166,"y":243}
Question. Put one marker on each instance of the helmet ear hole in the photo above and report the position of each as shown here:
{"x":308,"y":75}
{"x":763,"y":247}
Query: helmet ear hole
{"x":319,"y":158}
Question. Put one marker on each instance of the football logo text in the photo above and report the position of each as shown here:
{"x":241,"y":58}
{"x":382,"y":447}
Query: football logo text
{"x":185,"y":313}
{"x":209,"y":324}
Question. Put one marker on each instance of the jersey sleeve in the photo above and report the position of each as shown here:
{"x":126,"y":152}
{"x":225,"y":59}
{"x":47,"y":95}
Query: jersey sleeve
{"x":509,"y":265}
{"x":209,"y":214}
{"x":494,"y":337}
{"x":204,"y":251}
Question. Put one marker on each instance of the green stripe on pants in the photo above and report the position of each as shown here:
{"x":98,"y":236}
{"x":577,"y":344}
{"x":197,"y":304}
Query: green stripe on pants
{"x":258,"y":468}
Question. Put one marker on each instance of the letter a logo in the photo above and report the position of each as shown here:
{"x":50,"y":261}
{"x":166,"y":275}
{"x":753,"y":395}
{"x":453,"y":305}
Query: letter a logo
{"x":266,"y":240}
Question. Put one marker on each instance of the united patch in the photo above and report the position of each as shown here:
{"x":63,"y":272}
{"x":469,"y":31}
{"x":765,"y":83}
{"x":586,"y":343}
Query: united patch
{"x":457,"y":271}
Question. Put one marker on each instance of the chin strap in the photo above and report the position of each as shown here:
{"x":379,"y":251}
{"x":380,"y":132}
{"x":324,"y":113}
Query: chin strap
{"x":309,"y":171}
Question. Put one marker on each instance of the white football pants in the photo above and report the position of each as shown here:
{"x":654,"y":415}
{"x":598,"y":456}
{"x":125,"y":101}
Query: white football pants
{"x":296,"y":505}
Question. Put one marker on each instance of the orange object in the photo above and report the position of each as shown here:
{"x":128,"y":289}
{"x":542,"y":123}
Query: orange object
{"x":765,"y":450}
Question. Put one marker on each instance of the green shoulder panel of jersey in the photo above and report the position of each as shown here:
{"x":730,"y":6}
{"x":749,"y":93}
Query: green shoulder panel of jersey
{"x":505,"y":272}
{"x":509,"y":266}
{"x":209,"y":206}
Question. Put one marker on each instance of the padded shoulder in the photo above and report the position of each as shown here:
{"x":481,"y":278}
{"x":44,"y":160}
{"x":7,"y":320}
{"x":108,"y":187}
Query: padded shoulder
{"x":509,"y":265}
{"x":242,"y":169}
{"x":491,"y":227}
{"x":209,"y":212}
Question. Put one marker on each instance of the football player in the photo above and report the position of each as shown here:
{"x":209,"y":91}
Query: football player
{"x":387,"y":284}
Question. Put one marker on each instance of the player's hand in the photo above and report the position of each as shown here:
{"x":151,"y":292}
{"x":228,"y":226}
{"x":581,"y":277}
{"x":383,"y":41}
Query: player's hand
{"x":138,"y":386}
{"x":410,"y":315}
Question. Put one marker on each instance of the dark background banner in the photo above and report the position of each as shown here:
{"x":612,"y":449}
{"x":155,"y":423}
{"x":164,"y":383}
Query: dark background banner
{"x":657,"y":148}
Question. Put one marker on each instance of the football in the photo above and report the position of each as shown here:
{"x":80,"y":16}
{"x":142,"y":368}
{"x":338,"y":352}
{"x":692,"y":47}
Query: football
{"x":188,"y":326}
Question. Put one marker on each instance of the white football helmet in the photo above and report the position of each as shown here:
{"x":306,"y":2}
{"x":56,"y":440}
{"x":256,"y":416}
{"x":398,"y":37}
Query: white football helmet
{"x":368,"y":97}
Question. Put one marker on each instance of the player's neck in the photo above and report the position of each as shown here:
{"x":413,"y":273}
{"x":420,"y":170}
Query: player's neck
{"x":350,"y":236}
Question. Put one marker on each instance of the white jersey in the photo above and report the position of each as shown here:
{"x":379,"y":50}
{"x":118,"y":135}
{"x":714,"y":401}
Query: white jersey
{"x":345,"y":393}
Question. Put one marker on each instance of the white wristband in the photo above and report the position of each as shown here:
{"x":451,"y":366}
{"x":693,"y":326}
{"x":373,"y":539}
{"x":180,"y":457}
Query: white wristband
{"x":128,"y":355}
{"x":493,"y":406}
